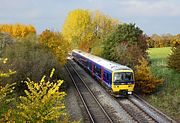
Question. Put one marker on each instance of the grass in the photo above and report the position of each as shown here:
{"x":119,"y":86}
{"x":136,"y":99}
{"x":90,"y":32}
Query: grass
{"x":167,"y":99}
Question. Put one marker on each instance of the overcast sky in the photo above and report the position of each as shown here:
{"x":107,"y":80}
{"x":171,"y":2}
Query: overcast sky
{"x":152,"y":16}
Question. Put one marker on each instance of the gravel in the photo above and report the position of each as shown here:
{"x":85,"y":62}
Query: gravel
{"x":113,"y":108}
{"x":71,"y":100}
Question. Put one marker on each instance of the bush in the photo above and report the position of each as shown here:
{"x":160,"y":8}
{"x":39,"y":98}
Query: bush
{"x":5,"y":90}
{"x":29,"y":59}
{"x":174,"y":59}
{"x":145,"y":81}
{"x":43,"y":102}
{"x":5,"y":40}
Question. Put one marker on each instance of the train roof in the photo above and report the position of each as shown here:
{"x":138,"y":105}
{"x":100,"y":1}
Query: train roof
{"x":112,"y":66}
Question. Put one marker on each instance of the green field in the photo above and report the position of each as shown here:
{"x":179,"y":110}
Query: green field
{"x":168,"y":98}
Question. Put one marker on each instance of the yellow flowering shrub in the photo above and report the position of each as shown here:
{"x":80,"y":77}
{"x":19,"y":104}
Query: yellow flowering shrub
{"x":5,"y":91}
{"x":43,"y":102}
{"x":145,"y":81}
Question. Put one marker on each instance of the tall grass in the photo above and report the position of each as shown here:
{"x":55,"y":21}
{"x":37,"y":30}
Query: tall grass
{"x":168,"y":99}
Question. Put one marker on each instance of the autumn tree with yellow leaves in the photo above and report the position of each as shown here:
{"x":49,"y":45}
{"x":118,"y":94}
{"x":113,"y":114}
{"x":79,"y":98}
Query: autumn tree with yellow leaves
{"x":145,"y":81}
{"x":85,"y":29}
{"x":77,"y":27}
{"x":17,"y":30}
{"x":56,"y":42}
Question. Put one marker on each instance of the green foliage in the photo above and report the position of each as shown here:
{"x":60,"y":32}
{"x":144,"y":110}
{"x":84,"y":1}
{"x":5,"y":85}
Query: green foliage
{"x":169,"y":94}
{"x":125,"y":45}
{"x":145,"y":81}
{"x":5,"y":40}
{"x":5,"y":90}
{"x":29,"y":59}
{"x":56,"y":43}
{"x":174,"y":59}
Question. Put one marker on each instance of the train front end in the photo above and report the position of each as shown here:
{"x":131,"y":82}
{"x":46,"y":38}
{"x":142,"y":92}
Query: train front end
{"x":123,"y":82}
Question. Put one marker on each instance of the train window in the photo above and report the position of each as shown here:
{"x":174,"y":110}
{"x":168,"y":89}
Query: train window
{"x":128,"y":76}
{"x":106,"y":76}
{"x":89,"y":65}
{"x":97,"y":70}
{"x":123,"y":77}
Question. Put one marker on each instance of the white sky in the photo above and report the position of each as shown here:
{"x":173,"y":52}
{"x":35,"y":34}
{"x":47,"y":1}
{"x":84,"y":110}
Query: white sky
{"x":152,"y":16}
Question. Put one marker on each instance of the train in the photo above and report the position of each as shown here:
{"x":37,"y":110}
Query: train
{"x":117,"y":78}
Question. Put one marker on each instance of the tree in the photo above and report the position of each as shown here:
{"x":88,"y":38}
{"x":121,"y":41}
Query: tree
{"x":77,"y":25}
{"x":176,"y":40}
{"x":85,"y":29}
{"x":145,"y":81}
{"x":5,"y":40}
{"x":126,"y":43}
{"x":103,"y":25}
{"x":30,"y":59}
{"x":17,"y":30}
{"x":56,"y":42}
{"x":174,"y":59}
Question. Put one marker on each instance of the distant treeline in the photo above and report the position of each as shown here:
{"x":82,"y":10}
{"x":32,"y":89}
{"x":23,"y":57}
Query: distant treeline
{"x":165,"y":40}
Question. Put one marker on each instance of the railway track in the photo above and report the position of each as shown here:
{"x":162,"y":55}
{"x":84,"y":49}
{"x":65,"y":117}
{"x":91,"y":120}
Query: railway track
{"x":95,"y":111}
{"x":150,"y":110}
{"x":137,"y":108}
{"x":135,"y":112}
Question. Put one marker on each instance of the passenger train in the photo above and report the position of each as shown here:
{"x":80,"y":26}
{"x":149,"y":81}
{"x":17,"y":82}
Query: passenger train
{"x":119,"y":79}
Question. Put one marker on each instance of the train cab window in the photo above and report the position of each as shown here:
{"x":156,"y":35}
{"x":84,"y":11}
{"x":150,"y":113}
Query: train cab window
{"x":128,"y":76}
{"x":118,"y":77}
{"x":123,"y":77}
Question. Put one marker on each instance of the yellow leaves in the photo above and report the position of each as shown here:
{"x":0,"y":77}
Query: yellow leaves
{"x":76,"y":24}
{"x":52,"y":72}
{"x":17,"y":30}
{"x":56,"y":43}
{"x":5,"y":74}
{"x":145,"y":81}
{"x":43,"y":101}
{"x":5,"y":60}
{"x":176,"y":40}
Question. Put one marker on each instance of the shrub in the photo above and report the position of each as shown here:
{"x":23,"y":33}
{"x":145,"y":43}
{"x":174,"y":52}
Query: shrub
{"x":5,"y":40}
{"x":174,"y":59}
{"x":29,"y":59}
{"x":145,"y":81}
{"x":5,"y":90}
{"x":43,"y":102}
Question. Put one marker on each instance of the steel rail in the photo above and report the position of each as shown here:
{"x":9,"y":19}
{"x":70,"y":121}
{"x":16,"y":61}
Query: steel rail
{"x":161,"y":116}
{"x":79,"y":93}
{"x":104,"y":111}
